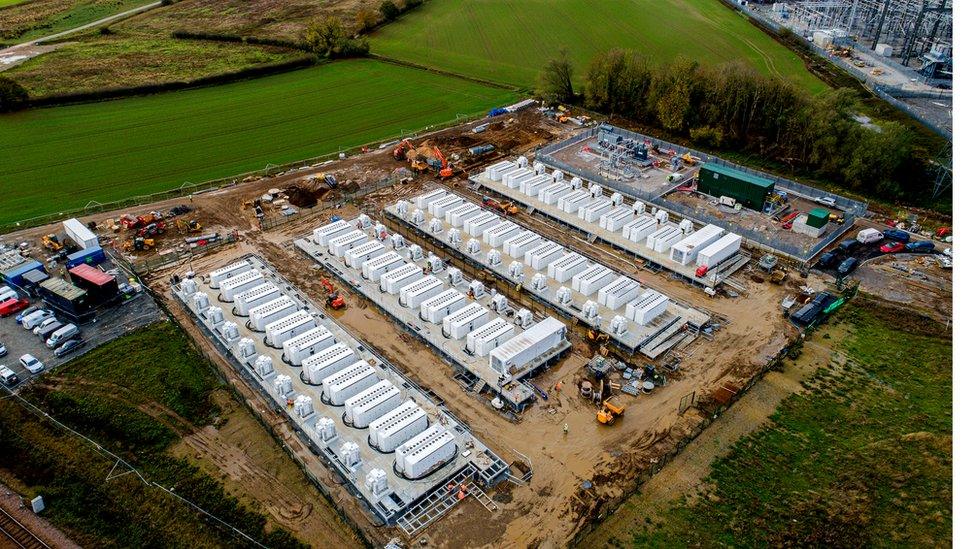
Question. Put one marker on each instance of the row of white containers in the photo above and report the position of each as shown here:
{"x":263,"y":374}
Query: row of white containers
{"x":395,"y":424}
{"x":548,"y":258}
{"x":706,"y":247}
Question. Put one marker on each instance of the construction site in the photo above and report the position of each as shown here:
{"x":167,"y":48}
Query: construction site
{"x":489,"y":334}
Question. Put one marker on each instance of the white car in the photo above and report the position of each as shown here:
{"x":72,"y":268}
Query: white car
{"x":826,"y":201}
{"x":31,"y":364}
{"x":3,"y":350}
{"x":947,"y":252}
{"x":32,"y":320}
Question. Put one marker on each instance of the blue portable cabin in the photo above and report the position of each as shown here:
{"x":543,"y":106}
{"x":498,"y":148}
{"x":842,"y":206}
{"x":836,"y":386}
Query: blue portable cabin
{"x":89,"y":256}
{"x":15,"y":275}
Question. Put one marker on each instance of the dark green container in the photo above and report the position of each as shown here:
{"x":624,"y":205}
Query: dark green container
{"x":750,"y":190}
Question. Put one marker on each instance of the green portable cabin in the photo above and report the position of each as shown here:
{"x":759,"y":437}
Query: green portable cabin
{"x":818,"y":217}
{"x":750,"y":190}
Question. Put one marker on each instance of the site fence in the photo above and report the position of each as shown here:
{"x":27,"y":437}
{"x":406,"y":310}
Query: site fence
{"x":913,"y":112}
{"x":267,"y":223}
{"x":188,"y":189}
{"x":149,"y":264}
{"x":761,"y":239}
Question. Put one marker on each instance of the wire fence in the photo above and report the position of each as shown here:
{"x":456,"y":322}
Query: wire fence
{"x":188,"y":188}
{"x":149,"y":264}
{"x":761,"y":239}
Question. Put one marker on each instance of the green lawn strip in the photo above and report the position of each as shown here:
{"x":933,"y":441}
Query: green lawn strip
{"x":510,"y":40}
{"x":864,"y":458}
{"x":60,"y":158}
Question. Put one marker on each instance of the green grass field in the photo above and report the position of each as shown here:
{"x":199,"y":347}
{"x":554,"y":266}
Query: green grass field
{"x":61,"y":158}
{"x":510,"y":40}
{"x":5,"y":3}
{"x":45,"y":17}
{"x":864,"y":458}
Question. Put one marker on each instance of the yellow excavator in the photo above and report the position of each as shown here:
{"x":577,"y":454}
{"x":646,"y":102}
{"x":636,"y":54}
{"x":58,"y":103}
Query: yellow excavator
{"x":50,"y":241}
{"x":611,"y":410}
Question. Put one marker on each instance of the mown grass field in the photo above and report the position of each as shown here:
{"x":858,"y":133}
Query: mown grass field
{"x":863,"y":458}
{"x":5,"y":3}
{"x":510,"y":40}
{"x":61,"y":158}
{"x":139,"y":396}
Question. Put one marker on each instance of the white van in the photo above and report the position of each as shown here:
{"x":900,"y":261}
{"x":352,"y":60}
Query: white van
{"x":6,"y":292}
{"x":869,"y":236}
{"x":61,"y":335}
{"x":32,"y":320}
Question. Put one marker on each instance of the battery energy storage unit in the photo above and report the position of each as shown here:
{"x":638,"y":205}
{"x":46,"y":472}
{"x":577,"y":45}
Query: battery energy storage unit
{"x":394,"y":428}
{"x":326,"y":362}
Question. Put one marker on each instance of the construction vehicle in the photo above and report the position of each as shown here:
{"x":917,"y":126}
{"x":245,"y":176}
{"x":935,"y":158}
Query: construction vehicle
{"x":140,"y":243}
{"x":446,"y":170}
{"x":400,"y":151}
{"x":611,"y":410}
{"x":152,"y":229}
{"x":50,"y":241}
{"x":506,"y":208}
{"x":690,"y":160}
{"x":191,"y":227}
{"x":594,"y":336}
{"x":335,"y":299}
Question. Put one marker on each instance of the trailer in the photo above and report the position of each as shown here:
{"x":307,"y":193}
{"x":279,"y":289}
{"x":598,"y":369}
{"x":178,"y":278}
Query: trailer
{"x":528,"y":346}
{"x":424,"y":200}
{"x":463,"y":213}
{"x":517,"y":246}
{"x":647,"y":307}
{"x":234,"y":285}
{"x":223,"y":273}
{"x":349,"y":381}
{"x":437,"y":207}
{"x":436,"y":308}
{"x":542,"y":255}
{"x":339,"y":245}
{"x":461,"y":322}
{"x":637,"y":230}
{"x":322,"y":235}
{"x":355,"y":257}
{"x":425,"y":452}
{"x":499,"y":234}
{"x":378,"y":266}
{"x":686,"y":250}
{"x":566,"y":267}
{"x":618,"y":293}
{"x":615,"y":219}
{"x":497,"y":171}
{"x":370,"y":404}
{"x":276,"y":309}
{"x":413,"y":294}
{"x":719,"y":251}
{"x":591,"y":211}
{"x":480,"y":223}
{"x":571,"y":202}
{"x":393,"y":281}
{"x":397,"y":426}
{"x":482,"y":340}
{"x":258,"y":295}
{"x":592,"y":279}
{"x":531,"y":186}
{"x":332,"y":359}
{"x":81,"y":234}
{"x":514,"y":178}
{"x":289,"y":327}
{"x":305,"y":345}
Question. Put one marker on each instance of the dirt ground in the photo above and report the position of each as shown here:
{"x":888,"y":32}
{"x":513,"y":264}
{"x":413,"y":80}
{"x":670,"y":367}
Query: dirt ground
{"x":576,"y":474}
{"x":918,"y":281}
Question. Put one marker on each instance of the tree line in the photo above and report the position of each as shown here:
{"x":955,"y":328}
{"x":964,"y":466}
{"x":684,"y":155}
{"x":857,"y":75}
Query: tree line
{"x":732,"y":106}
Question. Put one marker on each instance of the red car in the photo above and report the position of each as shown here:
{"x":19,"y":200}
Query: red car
{"x":892,"y":247}
{"x":12,"y":306}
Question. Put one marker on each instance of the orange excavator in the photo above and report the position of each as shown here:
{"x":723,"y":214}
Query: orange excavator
{"x":335,"y":299}
{"x":400,"y":151}
{"x":446,"y":169}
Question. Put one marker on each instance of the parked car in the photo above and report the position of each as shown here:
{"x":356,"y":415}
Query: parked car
{"x":67,"y":347}
{"x":947,"y":252}
{"x":11,"y":306}
{"x":847,"y":266}
{"x":62,"y":334}
{"x":924,"y":246}
{"x":3,"y":350}
{"x":826,"y":201}
{"x":847,"y":246}
{"x":828,"y":260}
{"x":44,"y":324}
{"x":892,"y":247}
{"x":6,"y":292}
{"x":869,"y":236}
{"x":48,"y":330}
{"x":897,"y":235}
{"x":8,"y":377}
{"x":32,"y":320}
{"x":25,"y":312}
{"x":31,"y":364}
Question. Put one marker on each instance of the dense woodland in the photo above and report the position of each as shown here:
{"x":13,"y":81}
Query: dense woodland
{"x":733,"y":107}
